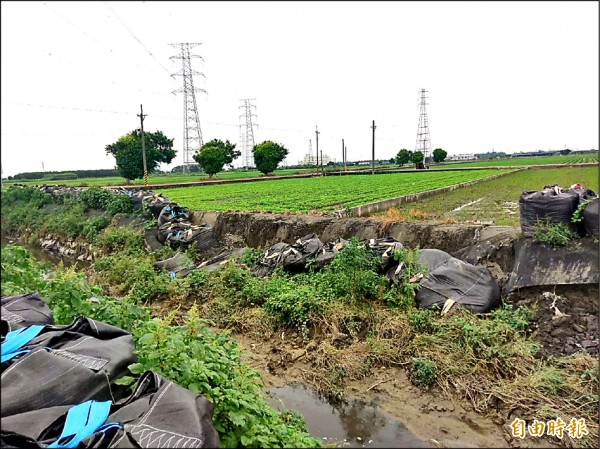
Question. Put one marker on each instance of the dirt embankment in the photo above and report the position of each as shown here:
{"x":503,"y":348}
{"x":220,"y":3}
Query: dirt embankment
{"x":262,"y":230}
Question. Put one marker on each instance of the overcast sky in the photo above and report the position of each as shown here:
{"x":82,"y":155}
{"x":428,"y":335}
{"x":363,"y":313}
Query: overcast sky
{"x":509,"y":76}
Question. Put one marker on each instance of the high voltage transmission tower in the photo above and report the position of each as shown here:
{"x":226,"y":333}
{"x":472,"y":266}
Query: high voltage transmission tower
{"x":247,"y":132}
{"x":192,"y":135}
{"x":423,"y":143}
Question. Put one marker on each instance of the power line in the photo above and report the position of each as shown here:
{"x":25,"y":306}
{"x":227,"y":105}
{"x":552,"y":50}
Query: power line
{"x":135,"y":37}
{"x":81,"y":30}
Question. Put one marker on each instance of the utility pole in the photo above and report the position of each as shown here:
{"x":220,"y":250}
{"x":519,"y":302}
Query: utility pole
{"x":322,"y":172}
{"x":345,"y":157}
{"x":343,"y":154}
{"x":317,"y":134}
{"x":373,"y":153}
{"x":141,"y":115}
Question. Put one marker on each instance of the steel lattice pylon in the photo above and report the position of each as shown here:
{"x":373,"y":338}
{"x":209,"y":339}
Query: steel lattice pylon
{"x":423,"y":143}
{"x":247,"y":132}
{"x":192,"y":134}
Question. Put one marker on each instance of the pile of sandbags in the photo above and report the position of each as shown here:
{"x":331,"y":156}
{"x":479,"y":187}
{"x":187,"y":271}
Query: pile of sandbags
{"x":552,"y":204}
{"x":58,"y":388}
{"x":293,"y":258}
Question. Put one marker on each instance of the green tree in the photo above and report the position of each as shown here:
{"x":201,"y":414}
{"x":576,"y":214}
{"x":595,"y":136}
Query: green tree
{"x":416,"y":157}
{"x":128,"y":153}
{"x":403,"y":156}
{"x":267,"y":155}
{"x":215,"y":154}
{"x":211,"y":159}
{"x":439,"y":155}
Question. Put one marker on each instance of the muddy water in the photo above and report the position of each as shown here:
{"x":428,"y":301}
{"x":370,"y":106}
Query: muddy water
{"x":352,"y":423}
{"x":42,"y":255}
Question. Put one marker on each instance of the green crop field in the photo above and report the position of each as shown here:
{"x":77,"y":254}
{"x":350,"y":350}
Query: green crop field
{"x":171,"y":178}
{"x":520,"y":161}
{"x":325,"y":194}
{"x":495,"y":201}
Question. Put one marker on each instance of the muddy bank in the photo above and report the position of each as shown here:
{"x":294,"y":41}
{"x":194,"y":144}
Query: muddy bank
{"x":422,"y":417}
{"x":565,"y":319}
{"x":262,"y":230}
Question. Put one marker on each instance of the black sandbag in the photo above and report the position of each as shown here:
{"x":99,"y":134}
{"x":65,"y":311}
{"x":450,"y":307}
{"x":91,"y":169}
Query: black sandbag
{"x":384,"y":249}
{"x":329,"y":251}
{"x":170,"y":229}
{"x":179,"y":265}
{"x":157,"y":204}
{"x":270,"y":260}
{"x":24,"y":310}
{"x":202,"y":237}
{"x":304,"y":249}
{"x":172,"y":211}
{"x":590,"y":218}
{"x":547,"y":204}
{"x":448,"y":278}
{"x":66,"y":365}
{"x":159,"y":413}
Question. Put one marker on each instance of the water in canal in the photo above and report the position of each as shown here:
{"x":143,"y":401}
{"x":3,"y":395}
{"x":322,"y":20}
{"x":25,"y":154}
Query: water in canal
{"x":352,"y":423}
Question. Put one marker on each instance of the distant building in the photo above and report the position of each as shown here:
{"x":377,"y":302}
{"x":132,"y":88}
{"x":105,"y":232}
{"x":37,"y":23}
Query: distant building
{"x":312,"y":160}
{"x":460,"y":157}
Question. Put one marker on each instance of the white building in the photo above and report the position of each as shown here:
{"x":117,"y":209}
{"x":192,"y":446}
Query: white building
{"x":310,"y":159}
{"x":460,"y":157}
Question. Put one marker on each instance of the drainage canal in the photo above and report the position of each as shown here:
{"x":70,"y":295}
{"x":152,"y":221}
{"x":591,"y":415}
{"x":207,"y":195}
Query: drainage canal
{"x":351,"y":423}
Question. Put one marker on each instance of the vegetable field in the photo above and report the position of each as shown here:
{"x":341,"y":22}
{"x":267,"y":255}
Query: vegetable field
{"x":539,"y":160}
{"x":495,"y":201}
{"x":324,"y":194}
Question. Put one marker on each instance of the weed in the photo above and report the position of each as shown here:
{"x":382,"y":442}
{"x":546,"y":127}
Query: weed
{"x":422,"y":373}
{"x":552,"y":234}
{"x":250,"y":256}
{"x":417,"y":215}
{"x":576,"y":217}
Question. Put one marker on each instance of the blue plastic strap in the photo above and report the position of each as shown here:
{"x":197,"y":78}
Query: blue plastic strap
{"x":82,"y":421}
{"x":171,"y":275}
{"x":7,"y":357}
{"x":18,"y":338}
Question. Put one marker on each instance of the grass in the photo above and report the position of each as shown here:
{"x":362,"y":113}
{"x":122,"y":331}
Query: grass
{"x":173,"y":178}
{"x":495,"y":201}
{"x":520,"y":161}
{"x":170,"y":178}
{"x":322,"y":194}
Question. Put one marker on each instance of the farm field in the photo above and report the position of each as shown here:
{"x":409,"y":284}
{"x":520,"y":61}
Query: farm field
{"x":322,"y":194}
{"x":158,"y":179}
{"x":495,"y":201}
{"x":540,"y":160}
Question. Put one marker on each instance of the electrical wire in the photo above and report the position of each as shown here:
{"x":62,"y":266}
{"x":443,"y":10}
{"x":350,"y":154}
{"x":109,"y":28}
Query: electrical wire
{"x":135,"y":37}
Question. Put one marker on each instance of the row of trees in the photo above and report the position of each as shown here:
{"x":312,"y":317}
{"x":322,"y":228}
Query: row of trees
{"x":405,"y":156}
{"x":212,"y":157}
